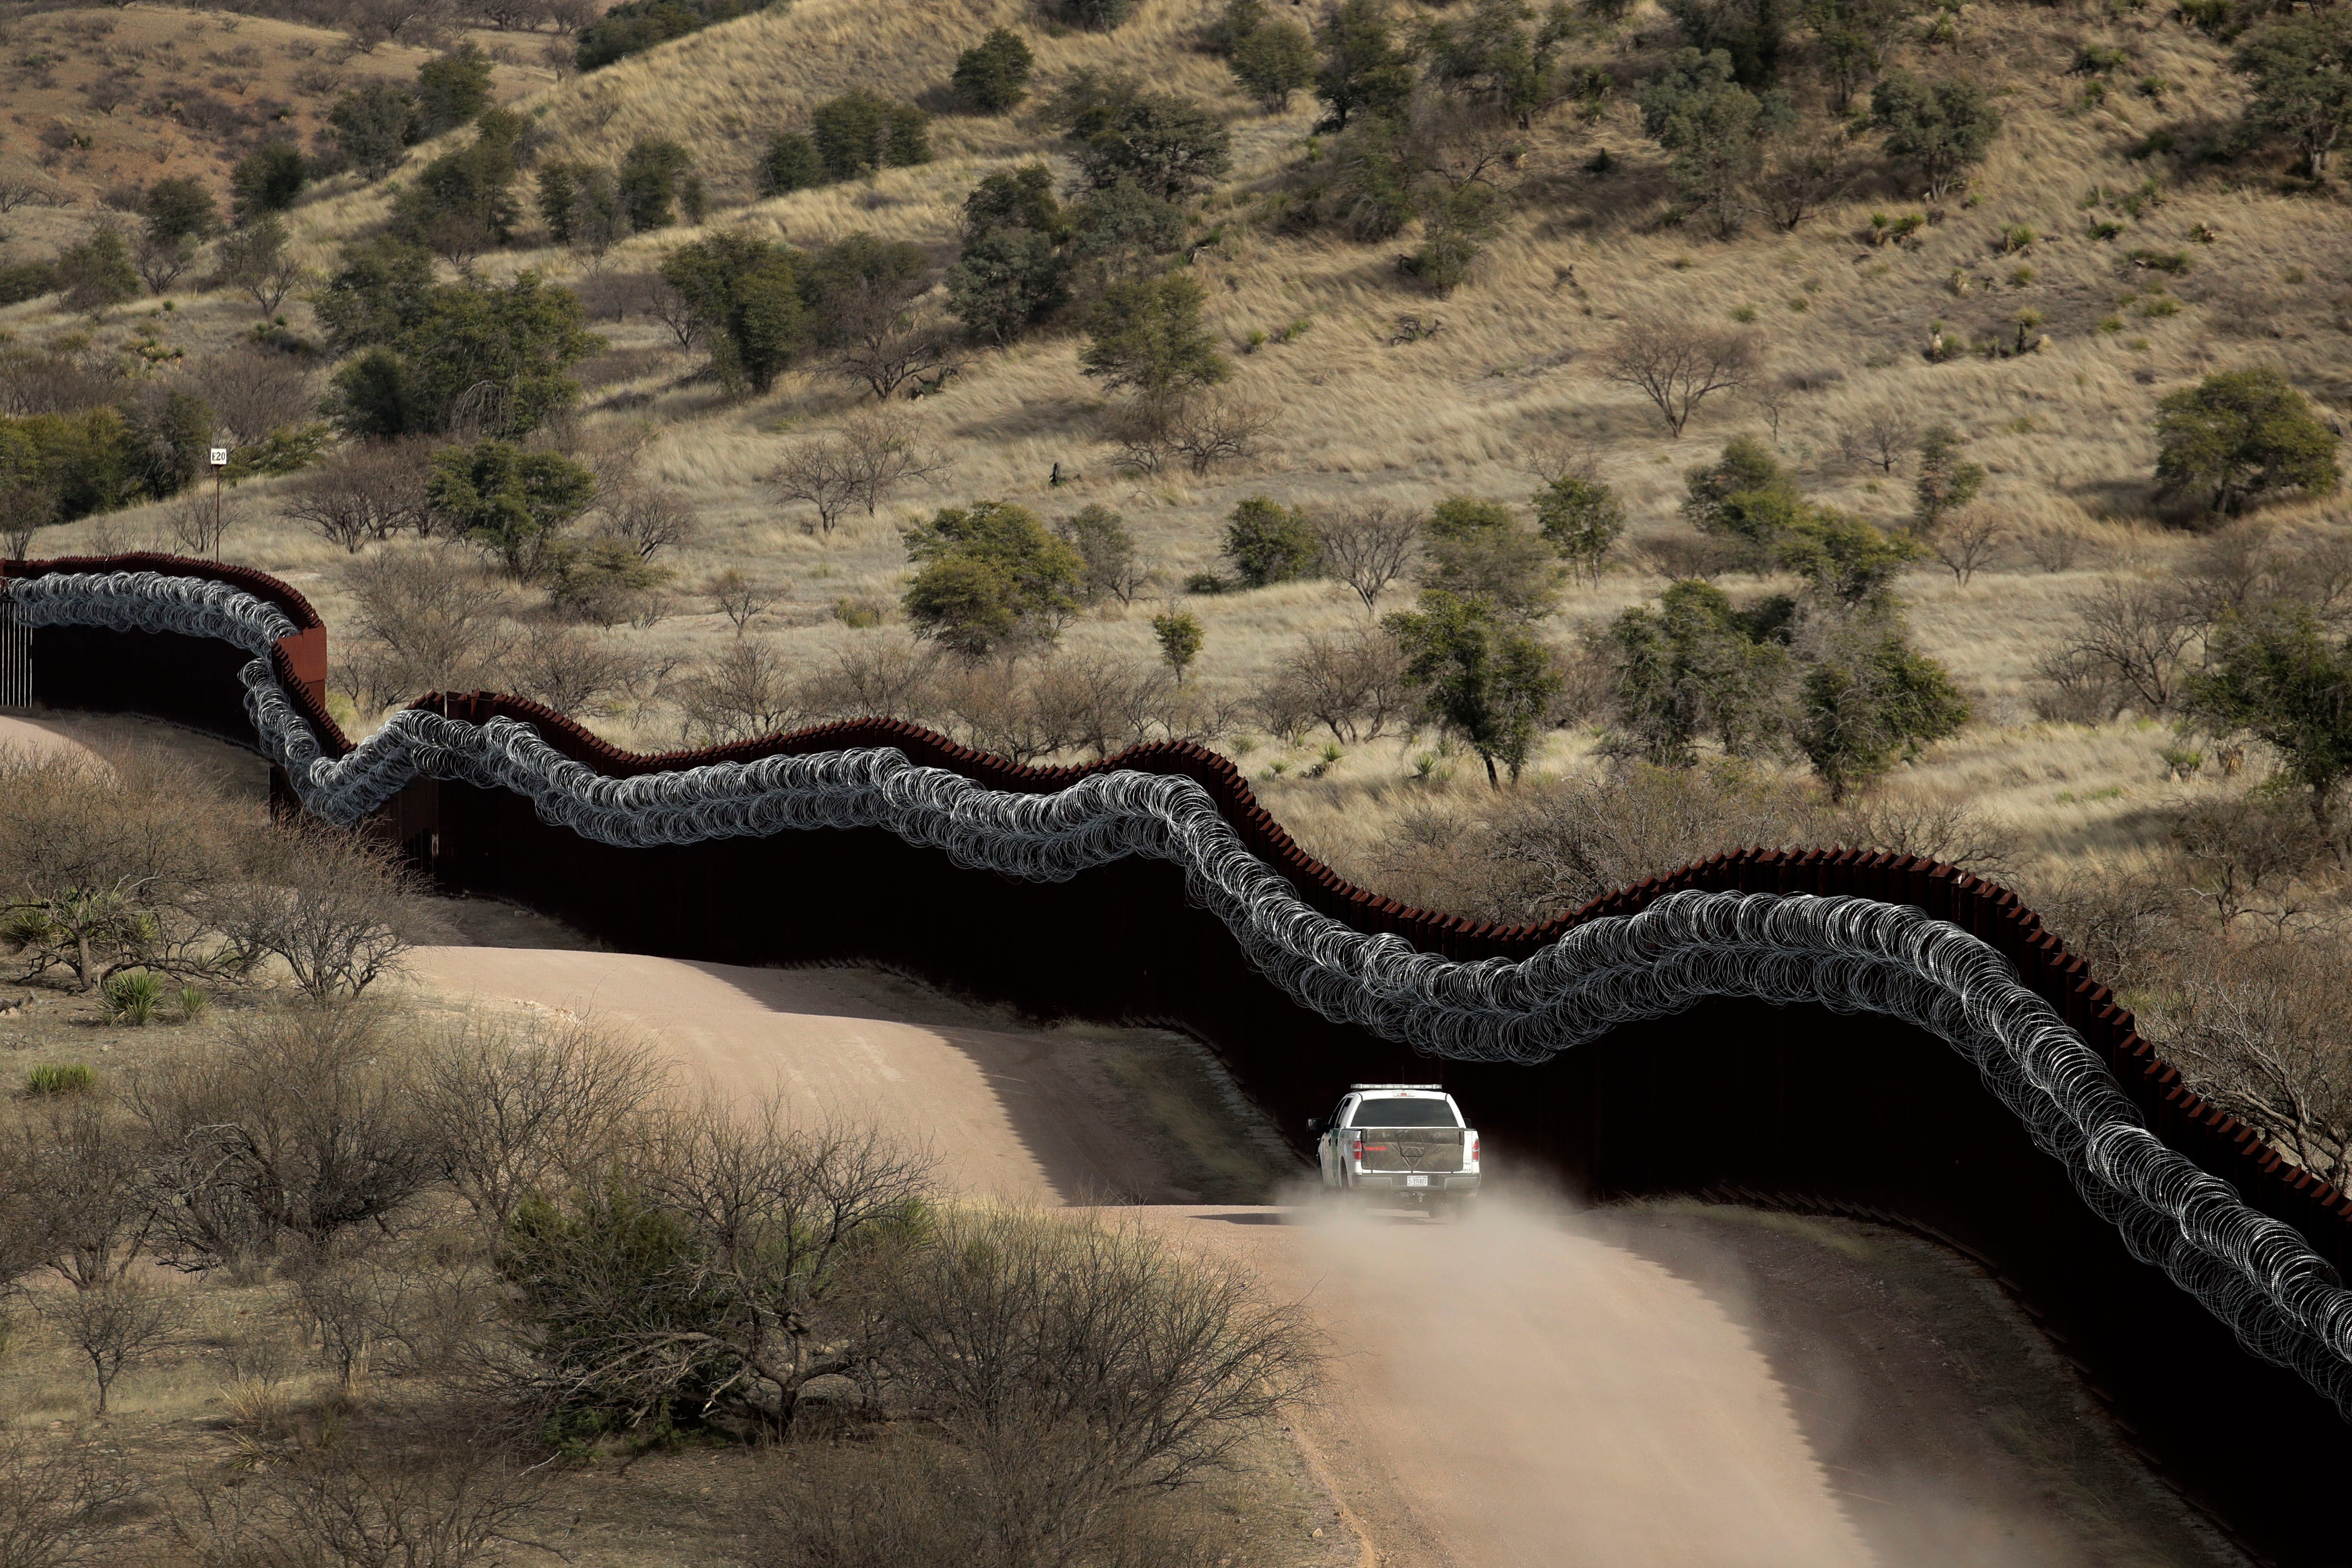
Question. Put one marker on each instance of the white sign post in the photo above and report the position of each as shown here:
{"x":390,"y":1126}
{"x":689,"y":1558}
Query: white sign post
{"x":220,"y":462}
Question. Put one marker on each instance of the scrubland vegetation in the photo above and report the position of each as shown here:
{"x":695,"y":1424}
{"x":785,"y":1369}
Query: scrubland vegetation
{"x":313,"y":1272}
{"x":1542,"y":444}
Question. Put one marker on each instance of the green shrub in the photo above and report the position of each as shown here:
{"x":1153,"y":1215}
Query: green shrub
{"x":861,"y":132}
{"x":27,"y":280}
{"x":792,"y":164}
{"x":635,"y":25}
{"x":131,"y":996}
{"x":60,"y":1078}
{"x":1102,"y":16}
{"x":993,"y":75}
{"x":655,"y":174}
{"x":1269,"y":543}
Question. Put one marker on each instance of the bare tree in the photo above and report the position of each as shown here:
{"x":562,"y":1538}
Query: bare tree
{"x":1370,"y":546}
{"x":652,"y":520}
{"x":2245,"y":855}
{"x":521,"y":1108}
{"x":881,"y":342}
{"x":1085,"y":1361}
{"x":83,"y":1190}
{"x":1802,"y":177}
{"x":303,"y":1128}
{"x":2136,"y":629}
{"x":887,"y":677}
{"x":576,"y":672}
{"x":2259,"y":1031}
{"x":254,"y":391}
{"x":1351,"y":683}
{"x":887,"y":450}
{"x":161,"y":260}
{"x":2053,"y":549}
{"x":738,"y":598}
{"x":327,"y":902}
{"x":1208,"y":430}
{"x":428,"y":1499}
{"x":1967,"y":542}
{"x":1678,"y":364}
{"x":365,"y":494}
{"x":429,"y":619}
{"x":53,"y":1500}
{"x":1883,"y":436}
{"x":823,"y":472}
{"x":115,"y":1325}
{"x":744,"y":692}
{"x":779,"y":1227}
{"x":16,"y":191}
{"x":199,"y":518}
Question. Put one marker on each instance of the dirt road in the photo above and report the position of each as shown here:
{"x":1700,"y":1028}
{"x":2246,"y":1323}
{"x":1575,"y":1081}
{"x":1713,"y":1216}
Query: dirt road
{"x":1534,"y":1387}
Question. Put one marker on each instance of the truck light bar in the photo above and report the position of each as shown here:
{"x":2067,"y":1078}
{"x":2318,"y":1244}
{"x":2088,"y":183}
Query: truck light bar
{"x":1434,"y":1087}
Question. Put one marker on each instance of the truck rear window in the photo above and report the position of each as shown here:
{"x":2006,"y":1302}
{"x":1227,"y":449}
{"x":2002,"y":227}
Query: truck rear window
{"x":1404,"y":1113}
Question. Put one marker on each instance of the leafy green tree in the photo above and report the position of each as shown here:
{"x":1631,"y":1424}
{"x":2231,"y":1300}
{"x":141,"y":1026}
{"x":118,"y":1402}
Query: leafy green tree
{"x":166,"y":433}
{"x":1500,"y":58}
{"x":1716,"y":130}
{"x":2277,"y":676}
{"x":1018,"y":198}
{"x":1583,"y":519}
{"x":1870,"y":700}
{"x":1180,"y":636}
{"x":1456,"y":227}
{"x":791,"y":163}
{"x":1480,"y":676}
{"x":1101,"y":537}
{"x":1696,"y":668}
{"x":1102,"y":16}
{"x":860,"y":132}
{"x":462,"y":202}
{"x":375,"y":125}
{"x":1853,"y":37}
{"x":653,"y":174}
{"x":379,"y":290}
{"x":1147,"y":335}
{"x":179,"y":208}
{"x":1116,"y":232}
{"x":266,"y":180}
{"x":2245,"y":434}
{"x":1272,"y":62}
{"x":1476,"y":549}
{"x":1744,"y":498}
{"x":1269,"y":543}
{"x":992,"y":76}
{"x":512,"y":502}
{"x":1005,"y":281}
{"x":1364,"y":69}
{"x":1941,"y":128}
{"x":1751,"y":34}
{"x":635,"y":25}
{"x":1236,"y":22}
{"x":98,"y":274}
{"x":487,"y":358}
{"x":1844,"y":559}
{"x":990,"y":577}
{"x":1166,"y":144}
{"x":1946,"y":482}
{"x":558,"y":191}
{"x":745,"y":292}
{"x":70,"y":464}
{"x":451,"y":89}
{"x":2298,"y":75}
{"x":255,"y":259}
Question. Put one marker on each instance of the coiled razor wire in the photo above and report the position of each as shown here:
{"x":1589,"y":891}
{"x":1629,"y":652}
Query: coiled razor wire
{"x":2260,"y":1276}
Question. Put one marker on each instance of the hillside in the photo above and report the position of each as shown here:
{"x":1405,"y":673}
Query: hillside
{"x":2065,"y":432}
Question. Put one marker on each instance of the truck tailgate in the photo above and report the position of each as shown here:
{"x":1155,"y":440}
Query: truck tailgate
{"x":1412,"y":1147}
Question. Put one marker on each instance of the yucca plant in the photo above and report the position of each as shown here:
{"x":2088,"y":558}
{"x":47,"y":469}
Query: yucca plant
{"x":194,"y":1002}
{"x":133,"y":997}
{"x":60,"y":1078}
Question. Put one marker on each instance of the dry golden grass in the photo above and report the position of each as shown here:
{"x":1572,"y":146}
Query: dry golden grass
{"x":2065,"y":432}
{"x":249,"y":63}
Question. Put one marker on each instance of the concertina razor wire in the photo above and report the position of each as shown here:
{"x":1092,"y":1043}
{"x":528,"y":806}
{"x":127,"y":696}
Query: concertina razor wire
{"x":2257,"y":1274}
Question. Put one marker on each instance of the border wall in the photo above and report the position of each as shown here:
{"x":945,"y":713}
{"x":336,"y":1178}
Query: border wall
{"x":1796,"y":1107}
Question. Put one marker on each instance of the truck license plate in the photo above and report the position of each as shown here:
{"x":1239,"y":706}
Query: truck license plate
{"x":1416,"y":1181}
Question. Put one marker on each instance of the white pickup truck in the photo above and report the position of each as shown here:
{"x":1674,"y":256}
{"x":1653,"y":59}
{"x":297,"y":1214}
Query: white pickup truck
{"x":1399,"y":1145}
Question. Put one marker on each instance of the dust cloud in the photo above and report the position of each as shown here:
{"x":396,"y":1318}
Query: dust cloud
{"x":1553,"y":1397}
